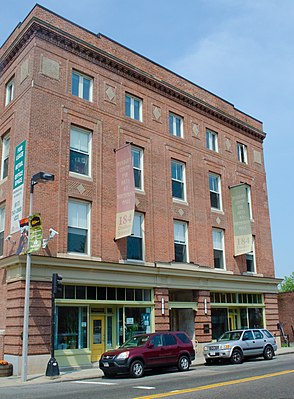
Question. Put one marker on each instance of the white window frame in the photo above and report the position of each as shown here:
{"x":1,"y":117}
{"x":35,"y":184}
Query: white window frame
{"x":89,"y":133}
{"x":142,"y":236}
{"x":252,"y":254}
{"x":81,"y":88}
{"x":183,"y":181}
{"x":219,"y":192}
{"x":211,"y":140}
{"x":242,"y":153}
{"x":173,"y":125}
{"x":2,"y":226}
{"x":248,"y":192}
{"x":140,"y":167}
{"x":88,"y":205}
{"x":185,"y":225}
{"x":132,"y":107}
{"x":9,"y":92}
{"x":5,"y":154}
{"x":219,"y":249}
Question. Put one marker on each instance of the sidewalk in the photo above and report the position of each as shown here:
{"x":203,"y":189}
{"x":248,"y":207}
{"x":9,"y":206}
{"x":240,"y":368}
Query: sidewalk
{"x":92,"y":372}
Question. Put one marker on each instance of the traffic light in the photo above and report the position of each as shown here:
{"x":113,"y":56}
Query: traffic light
{"x":56,"y":285}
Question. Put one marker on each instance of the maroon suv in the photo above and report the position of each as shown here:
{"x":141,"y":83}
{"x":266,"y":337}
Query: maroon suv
{"x":162,"y":349}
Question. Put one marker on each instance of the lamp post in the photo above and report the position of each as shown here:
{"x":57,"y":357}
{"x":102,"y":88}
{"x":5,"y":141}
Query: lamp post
{"x":40,"y":177}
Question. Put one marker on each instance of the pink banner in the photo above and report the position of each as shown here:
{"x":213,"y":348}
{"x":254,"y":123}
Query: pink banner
{"x":125,"y":192}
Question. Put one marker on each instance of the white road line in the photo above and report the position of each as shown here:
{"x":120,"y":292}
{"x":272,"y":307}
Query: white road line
{"x":94,"y":382}
{"x":142,"y":387}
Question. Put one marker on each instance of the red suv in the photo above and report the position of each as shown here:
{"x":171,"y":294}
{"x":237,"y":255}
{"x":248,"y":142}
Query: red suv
{"x":149,"y":351}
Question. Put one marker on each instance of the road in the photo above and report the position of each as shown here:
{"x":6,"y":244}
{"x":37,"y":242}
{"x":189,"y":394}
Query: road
{"x":258,"y":379}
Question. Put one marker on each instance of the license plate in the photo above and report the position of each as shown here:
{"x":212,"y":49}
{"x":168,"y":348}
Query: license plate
{"x":211,"y":353}
{"x":106,"y":364}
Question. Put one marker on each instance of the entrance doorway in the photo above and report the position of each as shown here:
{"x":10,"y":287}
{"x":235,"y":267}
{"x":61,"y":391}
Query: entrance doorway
{"x":234,"y":319}
{"x":97,"y":337}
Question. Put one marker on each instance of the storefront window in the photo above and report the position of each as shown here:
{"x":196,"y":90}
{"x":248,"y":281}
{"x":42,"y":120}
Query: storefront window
{"x":219,"y":320}
{"x":137,"y":321}
{"x":243,"y":318}
{"x":255,"y":318}
{"x":71,"y":327}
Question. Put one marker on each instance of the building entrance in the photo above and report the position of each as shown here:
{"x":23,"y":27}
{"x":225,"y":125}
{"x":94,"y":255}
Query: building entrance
{"x":97,"y":337}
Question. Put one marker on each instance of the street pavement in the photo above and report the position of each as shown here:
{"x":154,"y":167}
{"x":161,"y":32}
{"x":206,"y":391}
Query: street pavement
{"x":75,"y":374}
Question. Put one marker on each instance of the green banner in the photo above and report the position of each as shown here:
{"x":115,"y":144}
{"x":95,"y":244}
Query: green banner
{"x":36,"y":233}
{"x":241,"y":220}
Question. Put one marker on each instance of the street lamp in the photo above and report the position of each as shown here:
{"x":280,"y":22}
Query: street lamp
{"x":40,"y":177}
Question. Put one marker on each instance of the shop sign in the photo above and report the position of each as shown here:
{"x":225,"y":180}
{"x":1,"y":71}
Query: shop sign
{"x":241,"y":220}
{"x":125,"y":192}
{"x":36,"y":233}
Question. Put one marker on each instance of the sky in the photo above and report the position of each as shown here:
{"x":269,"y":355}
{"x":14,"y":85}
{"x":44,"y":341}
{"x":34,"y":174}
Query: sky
{"x":241,"y":50}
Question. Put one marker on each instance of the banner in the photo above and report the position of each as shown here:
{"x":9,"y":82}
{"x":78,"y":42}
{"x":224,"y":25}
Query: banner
{"x":24,"y":236}
{"x":36,"y":233}
{"x":241,"y":220}
{"x":18,"y":187}
{"x":125,"y":192}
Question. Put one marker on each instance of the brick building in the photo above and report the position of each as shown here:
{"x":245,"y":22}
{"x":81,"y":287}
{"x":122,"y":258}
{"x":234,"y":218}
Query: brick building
{"x":70,"y":98}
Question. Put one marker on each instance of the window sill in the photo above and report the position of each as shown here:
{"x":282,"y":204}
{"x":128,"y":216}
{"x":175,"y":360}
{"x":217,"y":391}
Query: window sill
{"x":77,"y":255}
{"x":252,"y":274}
{"x":180,"y":202}
{"x":223,"y":271}
{"x":135,"y":262}
{"x":80,"y":176}
{"x":219,"y":211}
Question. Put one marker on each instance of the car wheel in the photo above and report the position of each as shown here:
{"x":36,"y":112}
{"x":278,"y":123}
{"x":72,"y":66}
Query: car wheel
{"x":236,"y":357}
{"x":268,"y":353}
{"x":184,"y":363}
{"x":137,"y":369}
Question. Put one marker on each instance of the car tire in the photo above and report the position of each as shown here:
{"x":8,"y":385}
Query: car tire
{"x":183,"y":363}
{"x":137,"y":369}
{"x":236,"y":357}
{"x":268,"y":353}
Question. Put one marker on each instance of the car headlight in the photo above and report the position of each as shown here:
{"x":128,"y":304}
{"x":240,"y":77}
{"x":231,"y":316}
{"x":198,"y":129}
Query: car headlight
{"x":123,"y":355}
{"x":205,"y":348}
{"x":226,"y":346}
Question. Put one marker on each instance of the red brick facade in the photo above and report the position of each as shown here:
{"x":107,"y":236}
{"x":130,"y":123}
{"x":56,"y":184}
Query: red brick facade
{"x":40,"y":56}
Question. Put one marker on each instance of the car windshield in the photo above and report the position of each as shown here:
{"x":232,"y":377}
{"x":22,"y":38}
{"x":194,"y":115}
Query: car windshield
{"x":230,"y":336}
{"x":135,"y":341}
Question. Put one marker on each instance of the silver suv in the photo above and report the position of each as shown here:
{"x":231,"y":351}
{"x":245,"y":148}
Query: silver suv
{"x":238,"y":344}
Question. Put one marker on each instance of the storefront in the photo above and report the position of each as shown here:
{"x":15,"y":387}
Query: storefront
{"x":92,"y":319}
{"x":230,"y":311}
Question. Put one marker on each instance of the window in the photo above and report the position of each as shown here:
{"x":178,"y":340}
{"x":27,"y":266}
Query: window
{"x":70,"y":327}
{"x":2,"y":225}
{"x":180,"y":241}
{"x":211,"y":140}
{"x":215,"y":191}
{"x":250,"y":259}
{"x":175,"y":125}
{"x":133,"y":107}
{"x":178,"y":180}
{"x":135,"y":241}
{"x":242,"y":152}
{"x":9,"y":92}
{"x":248,"y":192}
{"x":80,"y":151}
{"x":137,"y":157}
{"x":218,"y":248}
{"x":82,"y":86}
{"x":78,"y":227}
{"x":5,"y":156}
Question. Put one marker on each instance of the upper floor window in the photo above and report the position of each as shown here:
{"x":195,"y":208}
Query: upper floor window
{"x":82,"y":86}
{"x":133,"y":107}
{"x":248,"y":192}
{"x":218,"y":248}
{"x":135,"y":242}
{"x":181,"y":241}
{"x":211,"y":140}
{"x":178,"y":180}
{"x":242,"y":153}
{"x":176,"y":125}
{"x":78,"y":227}
{"x":9,"y":92}
{"x":215,"y":191}
{"x":250,"y":259}
{"x":2,"y":225}
{"x":80,"y":151}
{"x":137,"y":156}
{"x":5,"y":156}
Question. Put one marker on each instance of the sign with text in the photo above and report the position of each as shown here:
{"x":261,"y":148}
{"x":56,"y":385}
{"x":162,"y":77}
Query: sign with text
{"x":36,"y":233}
{"x":125,"y":192}
{"x":241,"y":220}
{"x":18,"y":186}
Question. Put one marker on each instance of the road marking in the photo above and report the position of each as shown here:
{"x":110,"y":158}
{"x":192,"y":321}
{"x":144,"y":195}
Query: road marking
{"x":211,"y":386}
{"x":143,"y":387}
{"x":94,"y":382}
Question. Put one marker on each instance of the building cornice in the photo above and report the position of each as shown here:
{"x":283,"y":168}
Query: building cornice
{"x":52,"y":34}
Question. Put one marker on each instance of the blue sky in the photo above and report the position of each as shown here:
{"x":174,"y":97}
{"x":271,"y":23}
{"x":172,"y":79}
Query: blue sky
{"x":241,"y":50}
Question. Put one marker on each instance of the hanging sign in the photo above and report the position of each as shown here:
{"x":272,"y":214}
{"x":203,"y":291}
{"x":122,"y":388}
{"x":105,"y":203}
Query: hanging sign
{"x":36,"y":233}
